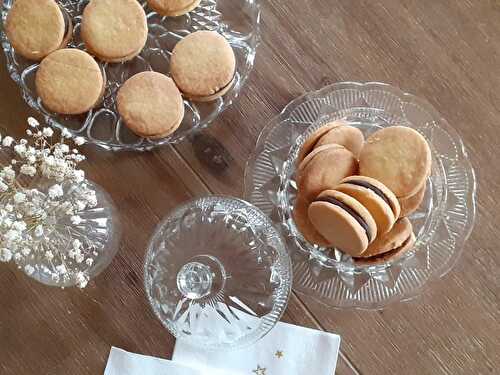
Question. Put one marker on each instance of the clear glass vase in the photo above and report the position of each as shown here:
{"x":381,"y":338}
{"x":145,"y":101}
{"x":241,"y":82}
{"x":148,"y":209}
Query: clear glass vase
{"x":70,"y":248}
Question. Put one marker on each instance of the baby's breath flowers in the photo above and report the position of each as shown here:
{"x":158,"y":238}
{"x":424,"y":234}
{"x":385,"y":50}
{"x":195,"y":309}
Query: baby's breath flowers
{"x":42,"y":196}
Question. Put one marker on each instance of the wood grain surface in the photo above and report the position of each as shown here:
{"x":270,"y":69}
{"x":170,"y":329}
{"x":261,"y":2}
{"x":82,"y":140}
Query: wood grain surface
{"x":447,"y":51}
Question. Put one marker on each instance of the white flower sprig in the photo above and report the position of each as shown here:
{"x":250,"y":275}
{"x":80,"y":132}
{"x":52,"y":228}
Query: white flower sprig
{"x":41,"y":229}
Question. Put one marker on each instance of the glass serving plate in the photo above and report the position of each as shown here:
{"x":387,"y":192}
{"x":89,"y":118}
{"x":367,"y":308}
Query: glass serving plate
{"x":237,"y":20}
{"x":217,"y":273}
{"x":442,"y":224}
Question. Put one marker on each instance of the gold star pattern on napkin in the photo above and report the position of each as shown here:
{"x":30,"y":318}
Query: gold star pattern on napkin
{"x":262,"y":370}
{"x":259,"y":371}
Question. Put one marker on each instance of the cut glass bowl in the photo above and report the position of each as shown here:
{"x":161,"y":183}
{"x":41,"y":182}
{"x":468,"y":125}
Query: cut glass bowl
{"x":217,"y":274}
{"x":442,"y":224}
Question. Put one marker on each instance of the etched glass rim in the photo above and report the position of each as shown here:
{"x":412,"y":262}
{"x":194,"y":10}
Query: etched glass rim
{"x":285,"y":272}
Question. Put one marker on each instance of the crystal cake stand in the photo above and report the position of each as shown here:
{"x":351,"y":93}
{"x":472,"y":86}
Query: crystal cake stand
{"x":236,"y":20}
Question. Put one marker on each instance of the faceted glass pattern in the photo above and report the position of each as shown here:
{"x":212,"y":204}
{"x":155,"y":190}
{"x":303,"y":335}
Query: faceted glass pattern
{"x":217,"y":274}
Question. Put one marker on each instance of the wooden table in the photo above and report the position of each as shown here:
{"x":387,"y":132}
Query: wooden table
{"x":447,"y":51}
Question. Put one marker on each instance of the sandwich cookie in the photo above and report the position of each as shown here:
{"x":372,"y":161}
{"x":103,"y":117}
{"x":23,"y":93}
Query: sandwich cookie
{"x":390,"y":245}
{"x":323,"y":169}
{"x":36,"y":28}
{"x":399,"y":157}
{"x":343,"y":222}
{"x":69,"y":81}
{"x":173,"y":8}
{"x":348,"y":136}
{"x":311,"y":141}
{"x":114,"y":30}
{"x":203,"y":66}
{"x":68,"y":30}
{"x":376,"y":197}
{"x":411,"y":204}
{"x":304,"y":225}
{"x":150,"y":104}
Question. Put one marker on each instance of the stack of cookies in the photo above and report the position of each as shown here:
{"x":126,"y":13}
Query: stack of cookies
{"x":71,"y":82}
{"x":355,"y":195}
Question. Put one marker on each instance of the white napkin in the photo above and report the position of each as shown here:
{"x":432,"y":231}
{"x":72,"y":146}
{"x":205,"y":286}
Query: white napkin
{"x":286,"y":350}
{"x":121,"y":362}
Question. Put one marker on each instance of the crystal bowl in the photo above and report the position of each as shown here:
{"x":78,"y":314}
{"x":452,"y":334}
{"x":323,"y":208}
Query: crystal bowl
{"x":442,"y":224}
{"x":237,"y":20}
{"x":217,"y":274}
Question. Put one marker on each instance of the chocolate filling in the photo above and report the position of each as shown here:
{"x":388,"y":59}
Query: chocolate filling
{"x":375,"y":189}
{"x":350,"y":211}
{"x":387,"y":254}
{"x":231,"y":82}
{"x":66,"y":21}
{"x":66,"y":27}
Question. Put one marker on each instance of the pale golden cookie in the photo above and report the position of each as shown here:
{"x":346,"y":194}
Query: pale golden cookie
{"x":304,"y":225}
{"x":343,"y":221}
{"x":376,"y":197}
{"x":150,"y":105}
{"x":348,"y":136}
{"x":397,"y":156}
{"x":117,"y":60}
{"x":69,"y":81}
{"x":114,"y":30}
{"x":391,"y":240}
{"x":411,"y":204}
{"x":173,"y":8}
{"x":311,"y":141}
{"x":36,"y":28}
{"x":390,"y":245}
{"x":203,"y":65}
{"x":218,"y":94}
{"x":323,"y":169}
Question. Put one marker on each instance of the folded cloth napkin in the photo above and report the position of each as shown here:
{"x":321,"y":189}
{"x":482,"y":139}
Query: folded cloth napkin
{"x":121,"y":362}
{"x":286,"y":350}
